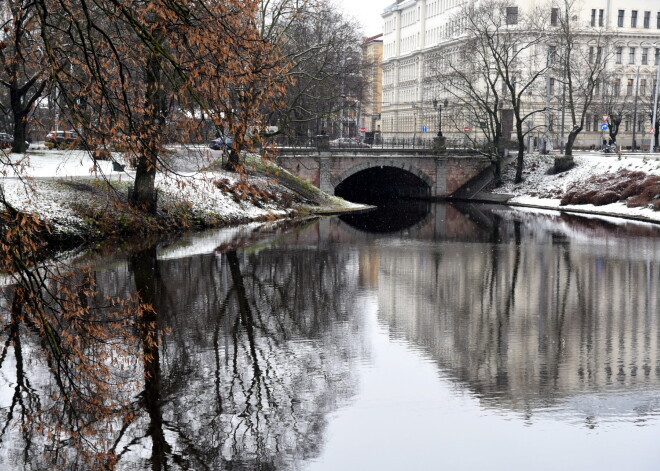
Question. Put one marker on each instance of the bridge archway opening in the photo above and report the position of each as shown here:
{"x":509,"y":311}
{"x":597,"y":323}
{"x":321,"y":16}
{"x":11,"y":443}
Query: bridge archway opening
{"x":378,"y":185}
{"x":400,"y":196}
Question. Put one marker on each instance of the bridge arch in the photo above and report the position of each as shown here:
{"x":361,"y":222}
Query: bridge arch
{"x":382,"y":163}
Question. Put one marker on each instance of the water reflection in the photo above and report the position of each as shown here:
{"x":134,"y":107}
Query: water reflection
{"x":390,"y":216}
{"x":247,"y":340}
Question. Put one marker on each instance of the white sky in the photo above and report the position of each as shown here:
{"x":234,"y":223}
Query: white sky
{"x":366,"y":12}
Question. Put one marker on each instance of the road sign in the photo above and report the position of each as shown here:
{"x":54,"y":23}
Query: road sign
{"x":424,"y":128}
{"x":652,"y":131}
{"x":363,"y":130}
{"x":605,"y":118}
{"x":466,"y":129}
{"x":603,"y":127}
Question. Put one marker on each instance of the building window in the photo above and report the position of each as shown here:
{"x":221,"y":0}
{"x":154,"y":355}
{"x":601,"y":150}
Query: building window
{"x":633,"y":19}
{"x":593,"y":17}
{"x":622,"y":14}
{"x":591,"y":54}
{"x":554,"y":17}
{"x":657,"y":56}
{"x":629,"y":88}
{"x":511,"y":15}
{"x":631,"y":56}
{"x":588,"y":122}
{"x":647,"y":19}
{"x":599,"y":54}
{"x":601,"y":16}
{"x":618,"y":54}
{"x":595,"y":122}
{"x":642,"y":87}
{"x":617,"y":87}
{"x":627,"y":125}
{"x":658,"y":21}
{"x":552,"y":53}
{"x":645,"y":56}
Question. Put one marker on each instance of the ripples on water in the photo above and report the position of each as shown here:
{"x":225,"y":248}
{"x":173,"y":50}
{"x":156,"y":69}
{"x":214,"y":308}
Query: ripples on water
{"x":438,"y":337}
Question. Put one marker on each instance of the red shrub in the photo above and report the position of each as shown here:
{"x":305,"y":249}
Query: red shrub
{"x":637,"y":201}
{"x":605,"y":197}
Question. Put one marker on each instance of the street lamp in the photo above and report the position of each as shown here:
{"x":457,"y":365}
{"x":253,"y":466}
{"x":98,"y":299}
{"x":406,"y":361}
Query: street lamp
{"x":438,"y":107}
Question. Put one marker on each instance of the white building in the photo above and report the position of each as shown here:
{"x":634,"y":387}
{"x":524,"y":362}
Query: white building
{"x":413,"y":30}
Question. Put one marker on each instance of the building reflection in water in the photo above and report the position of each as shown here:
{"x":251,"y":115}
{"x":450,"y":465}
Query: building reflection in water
{"x":529,"y":311}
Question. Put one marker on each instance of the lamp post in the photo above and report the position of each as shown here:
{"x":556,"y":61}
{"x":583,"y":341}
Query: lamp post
{"x":438,"y":107}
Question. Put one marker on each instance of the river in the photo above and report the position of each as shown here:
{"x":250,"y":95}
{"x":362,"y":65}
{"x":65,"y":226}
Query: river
{"x":427,"y":337}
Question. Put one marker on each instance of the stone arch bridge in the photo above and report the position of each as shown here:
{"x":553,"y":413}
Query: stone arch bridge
{"x":422,"y":174}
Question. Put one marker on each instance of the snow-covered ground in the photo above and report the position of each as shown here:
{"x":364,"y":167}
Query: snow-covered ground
{"x":44,"y":171}
{"x":44,"y":182}
{"x":538,"y":185}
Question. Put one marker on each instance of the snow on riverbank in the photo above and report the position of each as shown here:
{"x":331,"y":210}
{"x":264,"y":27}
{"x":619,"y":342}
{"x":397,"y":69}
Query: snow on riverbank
{"x":542,"y":190}
{"x":54,"y":187}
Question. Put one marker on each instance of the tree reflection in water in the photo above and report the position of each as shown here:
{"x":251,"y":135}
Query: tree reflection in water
{"x":232,"y":360}
{"x":241,"y":358}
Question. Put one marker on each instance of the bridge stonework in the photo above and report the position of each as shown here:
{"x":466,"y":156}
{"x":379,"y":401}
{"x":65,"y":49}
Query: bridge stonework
{"x":444,"y":174}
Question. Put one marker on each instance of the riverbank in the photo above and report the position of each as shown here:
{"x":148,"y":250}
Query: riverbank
{"x":84,"y":200}
{"x":541,"y":189}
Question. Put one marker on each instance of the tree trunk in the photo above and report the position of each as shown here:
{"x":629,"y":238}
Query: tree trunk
{"x":571,"y":141}
{"x":20,"y":121}
{"x":520,"y":160}
{"x":144,"y":189}
{"x":20,"y":133}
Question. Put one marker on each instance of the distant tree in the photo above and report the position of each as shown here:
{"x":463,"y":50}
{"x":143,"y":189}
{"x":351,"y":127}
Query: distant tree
{"x":23,"y":72}
{"x":507,"y":67}
{"x":583,"y":65}
{"x":614,"y":104}
{"x":467,"y":77}
{"x":323,"y":48}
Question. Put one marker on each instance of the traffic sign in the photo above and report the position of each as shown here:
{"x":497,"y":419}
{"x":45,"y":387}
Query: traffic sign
{"x":424,"y":128}
{"x":652,"y":131}
{"x":603,"y":127}
{"x":363,"y":130}
{"x":466,"y":129}
{"x":605,"y":118}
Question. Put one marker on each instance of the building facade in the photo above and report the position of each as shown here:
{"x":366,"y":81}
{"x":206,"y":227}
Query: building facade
{"x":414,"y":31}
{"x":372,"y":54}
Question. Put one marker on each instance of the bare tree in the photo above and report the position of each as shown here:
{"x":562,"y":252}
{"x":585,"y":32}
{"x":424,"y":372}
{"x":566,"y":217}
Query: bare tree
{"x":22,"y":67}
{"x":508,"y":68}
{"x":613,"y":103}
{"x":583,"y":62}
{"x":323,"y":48}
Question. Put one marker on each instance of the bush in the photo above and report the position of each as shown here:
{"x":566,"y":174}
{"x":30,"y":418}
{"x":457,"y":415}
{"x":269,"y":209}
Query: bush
{"x":605,"y":197}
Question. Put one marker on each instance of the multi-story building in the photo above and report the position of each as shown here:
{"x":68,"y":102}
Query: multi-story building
{"x":414,"y":31}
{"x":372,"y":54}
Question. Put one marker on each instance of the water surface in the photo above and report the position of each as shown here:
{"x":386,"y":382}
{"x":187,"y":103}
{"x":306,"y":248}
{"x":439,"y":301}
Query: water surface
{"x":448,"y":337}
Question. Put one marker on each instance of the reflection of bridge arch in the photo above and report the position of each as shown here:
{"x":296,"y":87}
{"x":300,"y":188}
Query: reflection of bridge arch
{"x":381,"y":163}
{"x":395,"y":219}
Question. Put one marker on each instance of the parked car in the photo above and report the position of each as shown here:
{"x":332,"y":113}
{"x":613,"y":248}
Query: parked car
{"x":221,"y":142}
{"x":66,"y":139}
{"x":7,"y":140}
{"x":348,"y":142}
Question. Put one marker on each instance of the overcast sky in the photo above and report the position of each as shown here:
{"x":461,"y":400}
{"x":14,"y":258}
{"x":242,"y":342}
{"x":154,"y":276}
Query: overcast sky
{"x":367,"y":12}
